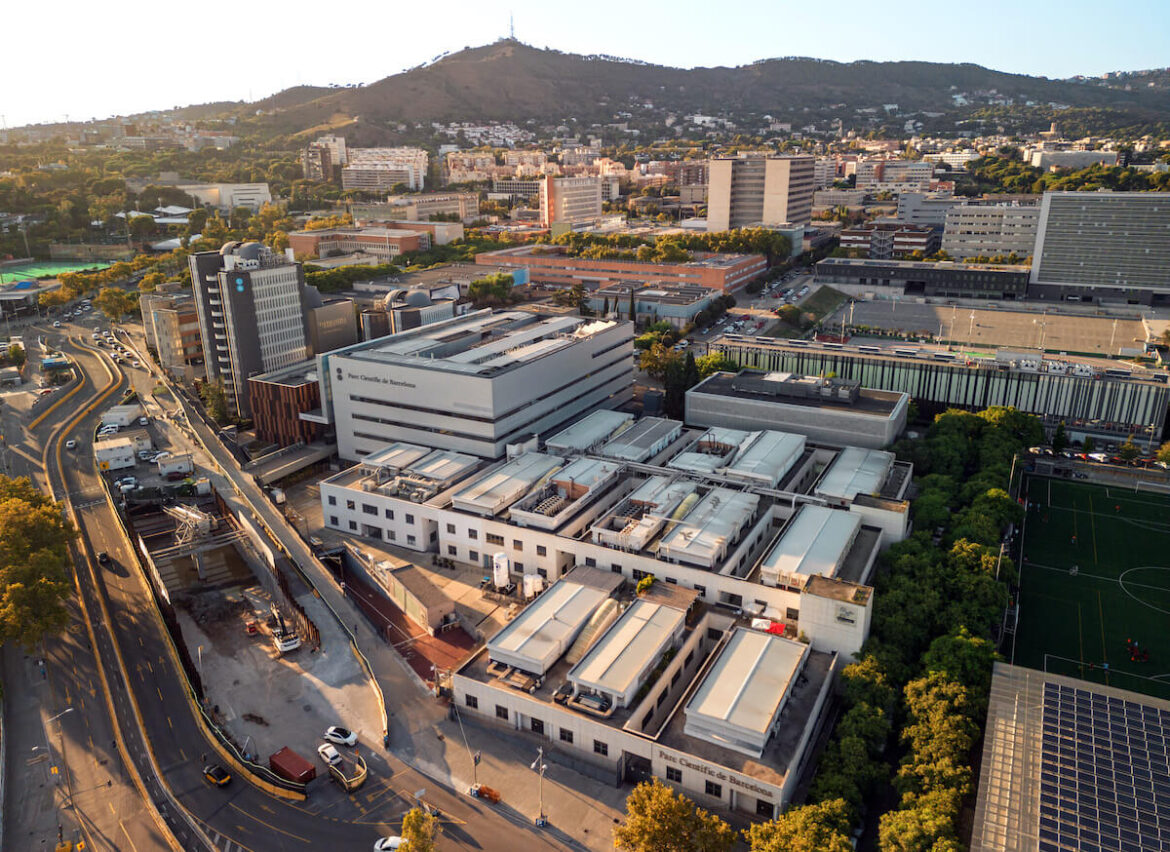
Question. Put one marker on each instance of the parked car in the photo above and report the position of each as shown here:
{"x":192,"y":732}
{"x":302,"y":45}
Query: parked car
{"x":143,"y":421}
{"x":124,"y":481}
{"x":329,"y":754}
{"x":386,"y":844}
{"x":103,"y":558}
{"x":340,"y":736}
{"x":71,"y":444}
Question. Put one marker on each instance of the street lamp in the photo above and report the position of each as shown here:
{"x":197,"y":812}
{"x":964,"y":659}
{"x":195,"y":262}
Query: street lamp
{"x":540,"y":766}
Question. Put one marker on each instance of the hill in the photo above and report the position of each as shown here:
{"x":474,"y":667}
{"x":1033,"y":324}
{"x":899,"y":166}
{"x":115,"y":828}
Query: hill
{"x":511,"y":81}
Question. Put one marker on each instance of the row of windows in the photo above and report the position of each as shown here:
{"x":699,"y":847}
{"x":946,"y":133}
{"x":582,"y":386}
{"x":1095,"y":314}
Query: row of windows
{"x":370,"y":510}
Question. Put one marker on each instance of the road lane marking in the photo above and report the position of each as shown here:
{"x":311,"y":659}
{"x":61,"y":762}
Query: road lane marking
{"x":267,"y":825}
{"x":122,"y":825}
{"x":159,"y":691}
{"x":169,"y":725}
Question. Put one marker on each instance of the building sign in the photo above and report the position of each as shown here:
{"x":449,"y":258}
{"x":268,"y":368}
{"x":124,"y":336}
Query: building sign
{"x":717,"y":774}
{"x":381,"y":380}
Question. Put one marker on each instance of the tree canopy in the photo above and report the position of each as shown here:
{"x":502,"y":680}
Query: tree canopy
{"x":660,"y":820}
{"x":34,"y":563}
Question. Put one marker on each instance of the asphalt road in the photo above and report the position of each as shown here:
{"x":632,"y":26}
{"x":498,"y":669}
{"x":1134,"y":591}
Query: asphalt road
{"x":63,"y":770}
{"x":239,"y":816}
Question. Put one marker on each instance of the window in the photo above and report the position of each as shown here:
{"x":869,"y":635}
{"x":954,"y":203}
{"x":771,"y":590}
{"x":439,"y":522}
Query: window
{"x":672,"y":774}
{"x":765,"y":809}
{"x":714,"y":634}
{"x":615,"y":568}
{"x":393,"y":536}
{"x":349,"y":504}
{"x":690,"y":657}
{"x":368,"y":509}
{"x":518,"y":566}
{"x":434,"y":536}
{"x":450,"y":529}
{"x":590,"y":561}
{"x":792,"y":613}
{"x":473,"y":534}
{"x":410,"y":539}
{"x":492,"y":538}
{"x":452,"y":550}
{"x":537,"y":726}
{"x":640,"y":575}
{"x":517,"y":544}
{"x":674,"y":678}
{"x":601,"y":748}
{"x":473,"y":556}
{"x":353,"y":525}
{"x":714,"y":789}
{"x":661,"y":699}
{"x":541,"y":550}
{"x":702,"y":590}
{"x":566,"y":736}
{"x":542,"y":573}
{"x":333,"y":520}
{"x":472,"y":702}
{"x":332,"y":500}
{"x":410,"y":519}
{"x":501,"y":712}
{"x":389,"y":514}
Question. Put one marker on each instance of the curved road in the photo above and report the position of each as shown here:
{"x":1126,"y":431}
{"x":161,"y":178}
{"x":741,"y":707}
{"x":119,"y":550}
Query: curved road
{"x":150,"y":687}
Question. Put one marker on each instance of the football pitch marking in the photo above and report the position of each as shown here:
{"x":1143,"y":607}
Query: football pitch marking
{"x":1121,"y":582}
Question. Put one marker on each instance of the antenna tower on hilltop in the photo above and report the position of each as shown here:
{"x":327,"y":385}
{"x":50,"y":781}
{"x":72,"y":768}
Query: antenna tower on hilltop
{"x":511,"y":27}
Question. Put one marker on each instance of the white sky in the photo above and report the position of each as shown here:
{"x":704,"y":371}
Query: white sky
{"x":95,"y":59}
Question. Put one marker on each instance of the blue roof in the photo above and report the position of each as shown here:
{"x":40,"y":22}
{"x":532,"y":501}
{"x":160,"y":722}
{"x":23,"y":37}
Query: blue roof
{"x":24,"y":285}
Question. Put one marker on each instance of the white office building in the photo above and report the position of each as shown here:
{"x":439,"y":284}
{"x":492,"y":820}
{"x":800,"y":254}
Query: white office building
{"x":754,"y":189}
{"x":475,"y":383}
{"x":381,"y":169}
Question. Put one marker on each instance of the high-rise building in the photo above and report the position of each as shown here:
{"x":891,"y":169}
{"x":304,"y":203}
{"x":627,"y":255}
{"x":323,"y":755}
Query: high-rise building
{"x":988,"y":230}
{"x":759,"y":190}
{"x":895,"y":175}
{"x":317,"y":163}
{"x":1111,"y":245}
{"x":251,"y":305}
{"x":338,"y":154}
{"x":570,"y":201}
{"x":171,"y":324}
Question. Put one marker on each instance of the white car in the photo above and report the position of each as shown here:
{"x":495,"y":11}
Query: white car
{"x":388,"y":843}
{"x":329,"y":754}
{"x":127,"y":482}
{"x":71,"y":444}
{"x":56,"y":323}
{"x":340,"y":735}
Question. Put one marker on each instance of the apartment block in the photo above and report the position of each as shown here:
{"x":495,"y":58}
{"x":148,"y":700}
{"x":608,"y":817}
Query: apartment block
{"x":317,"y":163}
{"x":419,"y":208}
{"x":882,"y":240}
{"x":569,"y":200}
{"x":978,"y":230}
{"x":171,"y":324}
{"x":759,"y":190}
{"x":381,"y":169}
{"x":894,"y":175}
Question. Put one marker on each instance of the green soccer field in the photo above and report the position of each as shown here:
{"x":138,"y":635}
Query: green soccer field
{"x":1095,"y":574}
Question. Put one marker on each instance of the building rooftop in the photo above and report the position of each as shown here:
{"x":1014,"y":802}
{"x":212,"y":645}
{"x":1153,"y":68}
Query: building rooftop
{"x":815,"y":541}
{"x":793,"y":389}
{"x":617,"y":662}
{"x":405,"y":470}
{"x":720,"y":260}
{"x":589,"y":431}
{"x":642,"y":440}
{"x":558,"y":496}
{"x":545,"y":629}
{"x":855,"y":471}
{"x":499,"y":487}
{"x":703,"y":535}
{"x":639,"y":517}
{"x":482,"y":342}
{"x":923,"y":264}
{"x":744,"y":690}
{"x":765,"y":458}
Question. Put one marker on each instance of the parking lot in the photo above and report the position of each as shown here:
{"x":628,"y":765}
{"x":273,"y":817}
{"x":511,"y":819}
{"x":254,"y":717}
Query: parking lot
{"x":989,"y":328}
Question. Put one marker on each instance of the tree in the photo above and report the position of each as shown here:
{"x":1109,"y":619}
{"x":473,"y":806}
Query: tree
{"x":114,"y":302}
{"x":215,"y":401}
{"x":16,"y":355}
{"x":150,"y":282}
{"x":1129,"y":450}
{"x":823,"y":827}
{"x":34,"y":560}
{"x":1059,"y":439}
{"x":715,"y":363}
{"x":660,"y":820}
{"x":494,"y":289}
{"x":1164,"y":453}
{"x":675,"y":386}
{"x":633,"y":317}
{"x":419,"y":830}
{"x":1087,"y":446}
{"x":657,"y":359}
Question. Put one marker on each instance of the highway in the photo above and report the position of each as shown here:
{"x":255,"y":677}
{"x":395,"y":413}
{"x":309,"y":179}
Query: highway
{"x":158,"y":719}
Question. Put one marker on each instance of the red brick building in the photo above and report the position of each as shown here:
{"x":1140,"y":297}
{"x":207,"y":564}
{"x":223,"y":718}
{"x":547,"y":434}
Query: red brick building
{"x":550,"y":266}
{"x":277,"y":400}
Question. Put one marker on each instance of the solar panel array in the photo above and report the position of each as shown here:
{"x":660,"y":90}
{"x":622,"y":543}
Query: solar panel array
{"x":1105,"y":773}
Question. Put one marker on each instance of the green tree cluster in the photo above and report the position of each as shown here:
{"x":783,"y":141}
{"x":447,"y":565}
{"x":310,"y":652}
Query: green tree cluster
{"x":493,"y":290}
{"x":1006,"y":172}
{"x":660,"y":820}
{"x":34,"y":563}
{"x":928,"y":659}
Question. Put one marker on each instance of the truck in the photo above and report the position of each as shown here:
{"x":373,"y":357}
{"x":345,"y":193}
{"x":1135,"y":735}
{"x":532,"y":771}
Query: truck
{"x":289,"y":765}
{"x":175,"y":464}
{"x":114,"y":454}
{"x":121,"y":415}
